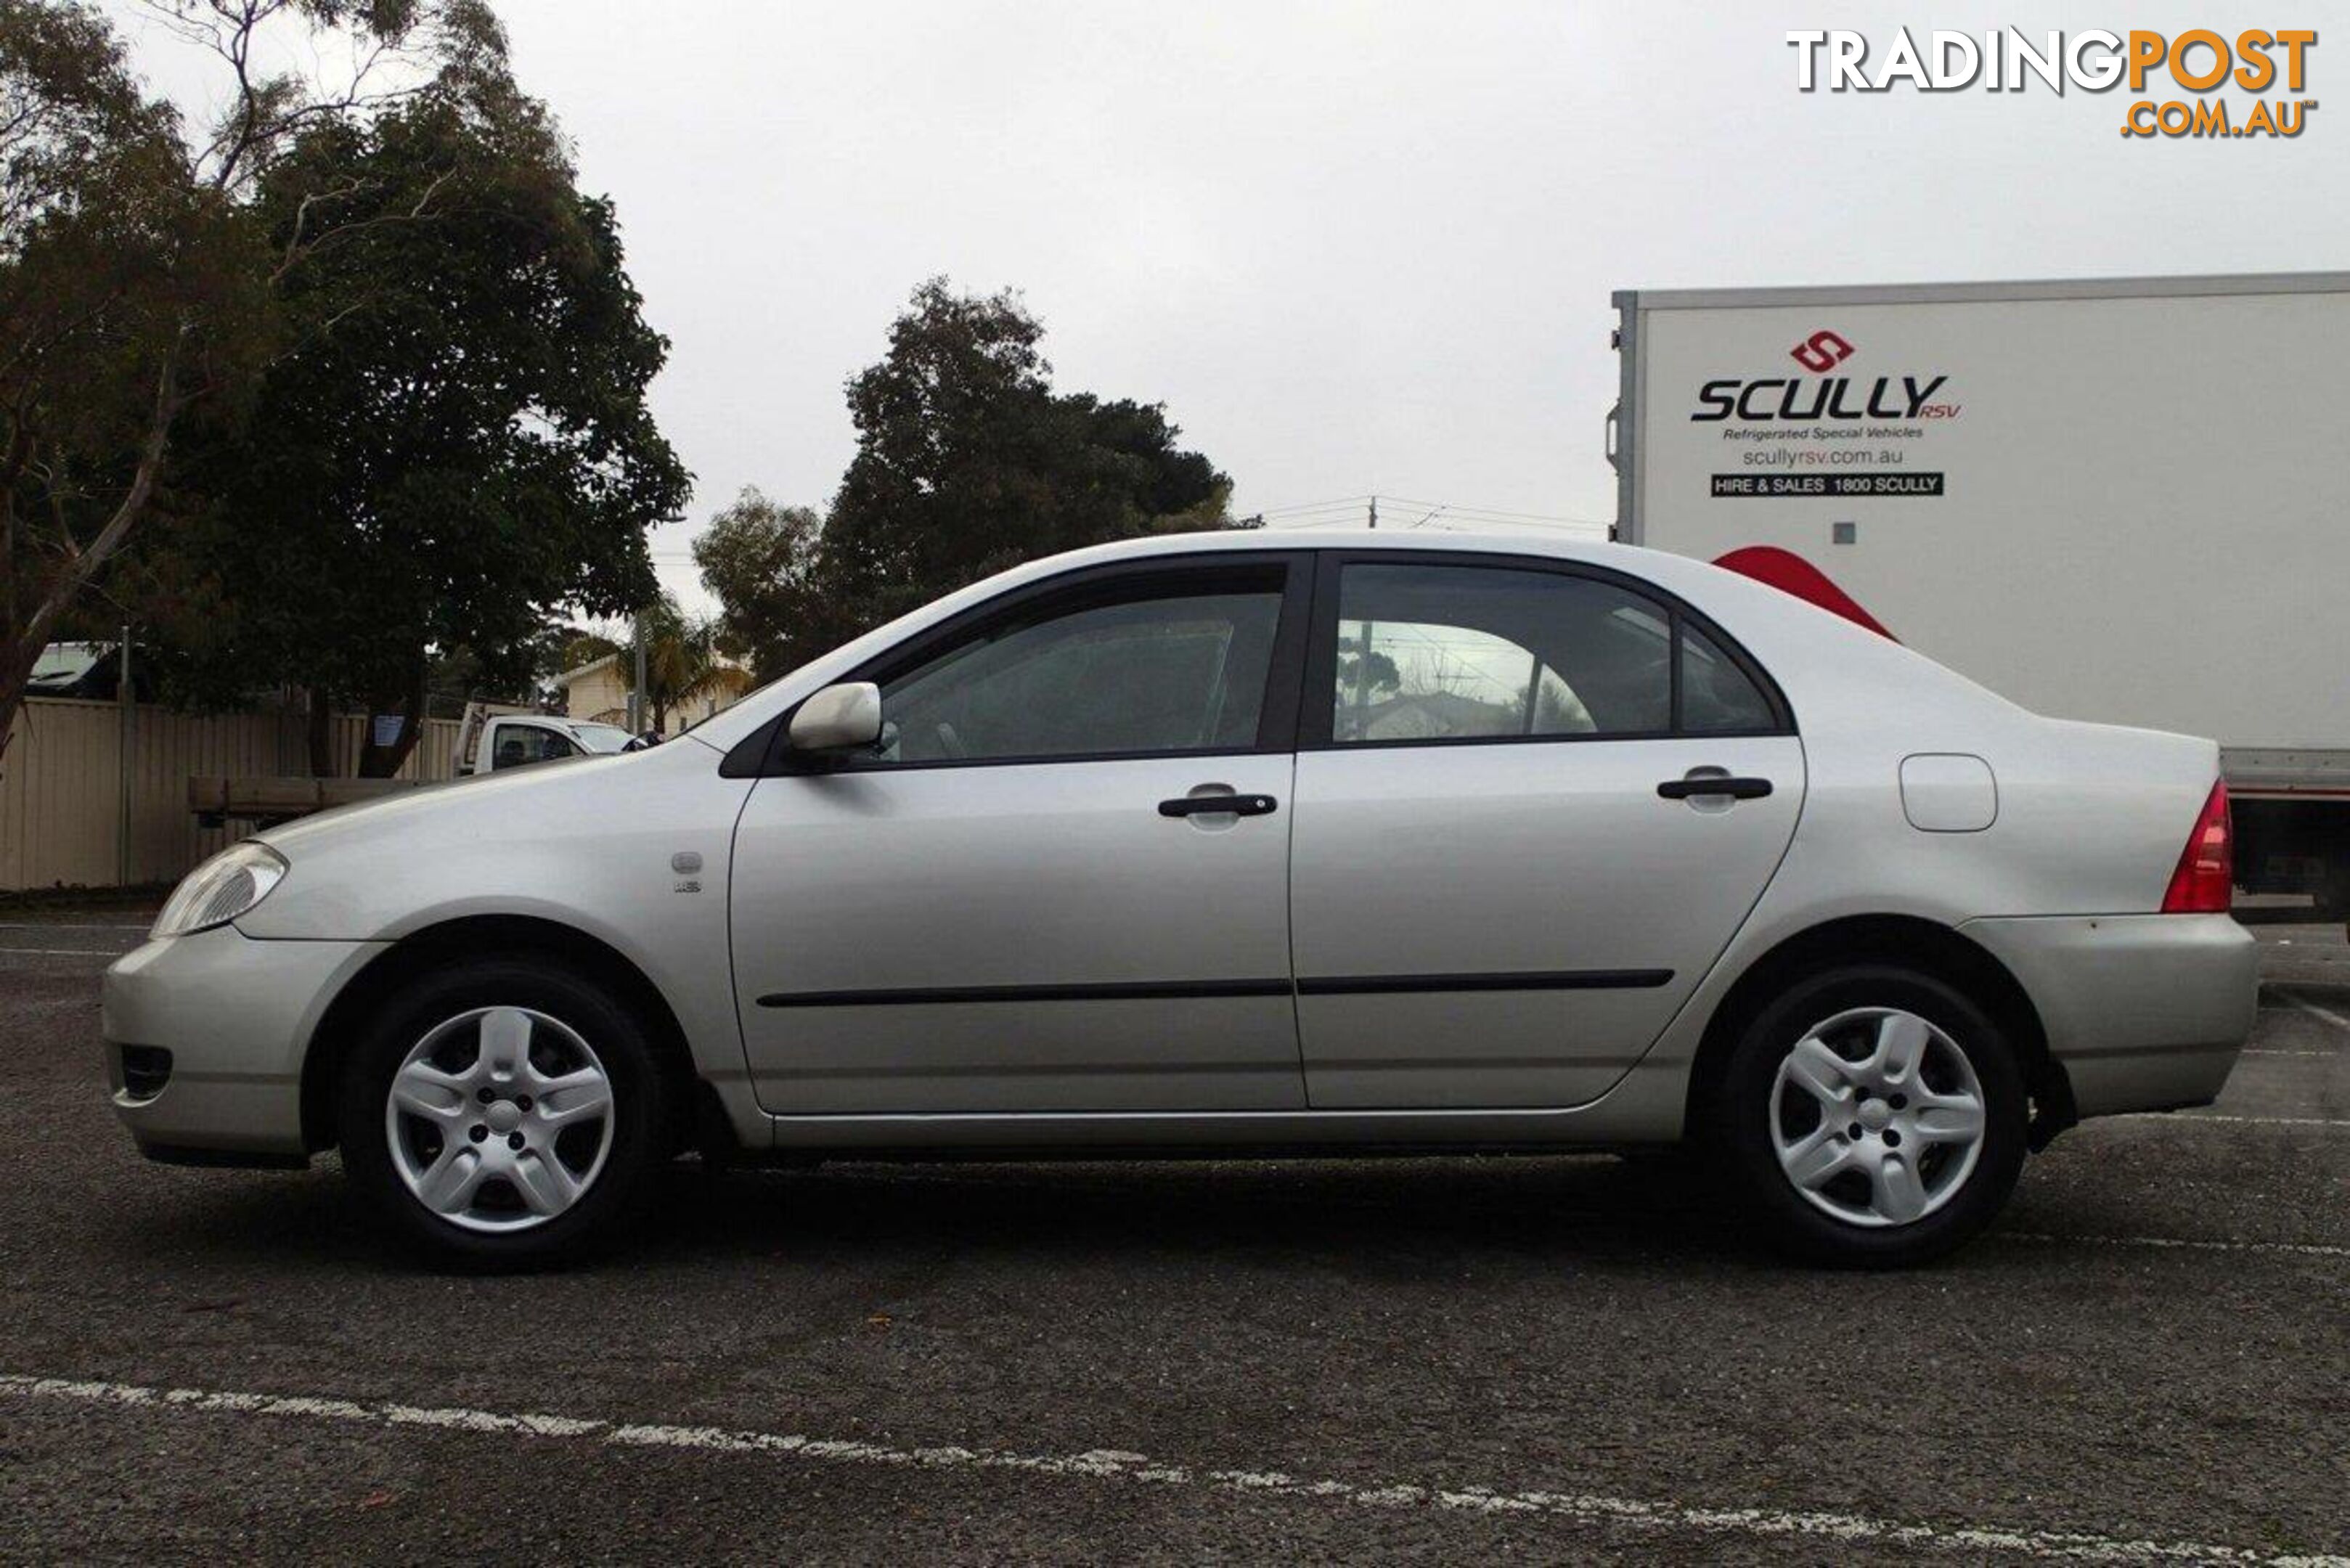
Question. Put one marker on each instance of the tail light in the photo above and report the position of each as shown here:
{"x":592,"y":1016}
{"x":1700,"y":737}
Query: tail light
{"x":2206,"y":876}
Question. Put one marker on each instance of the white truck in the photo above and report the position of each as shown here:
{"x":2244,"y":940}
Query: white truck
{"x":2122,"y":499}
{"x":493,"y":738}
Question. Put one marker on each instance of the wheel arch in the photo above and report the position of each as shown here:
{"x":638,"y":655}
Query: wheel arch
{"x":479,"y":936}
{"x":1914,"y":943}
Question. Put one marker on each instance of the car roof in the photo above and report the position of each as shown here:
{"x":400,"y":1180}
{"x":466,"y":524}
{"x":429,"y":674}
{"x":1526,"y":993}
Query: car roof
{"x":1529,"y":542}
{"x":1678,"y":574}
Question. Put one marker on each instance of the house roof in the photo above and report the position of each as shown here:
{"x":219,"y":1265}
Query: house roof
{"x":585,"y":671}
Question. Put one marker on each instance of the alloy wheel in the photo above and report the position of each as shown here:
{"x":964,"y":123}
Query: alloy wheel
{"x":500,"y":1119}
{"x":1877,"y":1116}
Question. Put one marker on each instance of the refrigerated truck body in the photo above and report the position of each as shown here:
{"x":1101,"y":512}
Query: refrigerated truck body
{"x":2122,"y":499}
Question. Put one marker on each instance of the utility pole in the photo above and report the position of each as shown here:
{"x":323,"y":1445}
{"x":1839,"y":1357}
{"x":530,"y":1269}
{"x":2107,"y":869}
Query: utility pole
{"x":1363,"y":661}
{"x":125,"y":697}
{"x":636,"y":689}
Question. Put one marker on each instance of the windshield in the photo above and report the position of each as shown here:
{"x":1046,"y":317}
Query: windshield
{"x":601,"y":737}
{"x":64,"y":661}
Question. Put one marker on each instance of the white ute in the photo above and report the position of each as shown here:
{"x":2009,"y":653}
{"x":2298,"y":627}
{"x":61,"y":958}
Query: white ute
{"x":494,"y":742}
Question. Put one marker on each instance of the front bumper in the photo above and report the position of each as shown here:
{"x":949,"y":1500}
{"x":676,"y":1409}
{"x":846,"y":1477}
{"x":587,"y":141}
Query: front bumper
{"x":2144,"y":1012}
{"x":236,"y":1016}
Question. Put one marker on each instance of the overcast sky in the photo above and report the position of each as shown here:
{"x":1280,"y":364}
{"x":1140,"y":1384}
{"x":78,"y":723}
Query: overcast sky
{"x":1353,"y":249}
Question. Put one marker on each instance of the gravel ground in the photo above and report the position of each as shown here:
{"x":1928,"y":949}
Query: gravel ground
{"x":1522,"y":1359}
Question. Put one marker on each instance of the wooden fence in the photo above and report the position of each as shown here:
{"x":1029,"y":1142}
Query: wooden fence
{"x":65,"y":773}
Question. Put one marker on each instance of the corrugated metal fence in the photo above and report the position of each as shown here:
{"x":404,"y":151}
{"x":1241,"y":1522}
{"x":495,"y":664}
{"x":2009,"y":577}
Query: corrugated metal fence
{"x":62,"y":782}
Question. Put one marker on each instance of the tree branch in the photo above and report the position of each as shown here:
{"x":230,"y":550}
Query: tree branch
{"x":83,"y":562}
{"x":296,"y":253}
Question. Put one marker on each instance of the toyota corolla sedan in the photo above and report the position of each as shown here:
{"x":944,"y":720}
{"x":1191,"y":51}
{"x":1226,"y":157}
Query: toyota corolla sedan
{"x":1313,"y":843}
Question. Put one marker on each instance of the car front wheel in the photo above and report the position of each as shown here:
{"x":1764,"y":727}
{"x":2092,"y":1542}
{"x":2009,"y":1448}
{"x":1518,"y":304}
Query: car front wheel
{"x":1873,"y":1117}
{"x":504,"y":1113}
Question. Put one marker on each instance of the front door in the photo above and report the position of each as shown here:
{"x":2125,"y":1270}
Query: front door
{"x":1062,"y":883}
{"x":1494,"y":904}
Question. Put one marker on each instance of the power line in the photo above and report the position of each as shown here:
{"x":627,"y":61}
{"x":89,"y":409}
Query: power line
{"x":1530,"y":523}
{"x":1497,"y":510}
{"x":1282,"y":519}
{"x":1421,"y":500}
{"x":1310,"y":505}
{"x":1502,"y":513}
{"x":1573,"y":530}
{"x":1351,"y":507}
{"x":1319,"y":509}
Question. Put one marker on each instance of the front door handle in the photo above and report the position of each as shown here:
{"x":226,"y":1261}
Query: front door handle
{"x":1205,"y":804}
{"x":1714,"y":784}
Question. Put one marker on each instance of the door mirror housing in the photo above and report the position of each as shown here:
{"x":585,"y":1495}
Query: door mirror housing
{"x":842,"y":718}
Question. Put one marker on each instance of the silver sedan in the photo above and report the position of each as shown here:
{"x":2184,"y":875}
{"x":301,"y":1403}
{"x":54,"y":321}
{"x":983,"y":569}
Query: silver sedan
{"x":1312,"y":844}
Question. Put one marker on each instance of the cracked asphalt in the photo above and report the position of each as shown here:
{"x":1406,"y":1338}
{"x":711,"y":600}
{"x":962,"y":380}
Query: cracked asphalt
{"x":1463,"y":1359}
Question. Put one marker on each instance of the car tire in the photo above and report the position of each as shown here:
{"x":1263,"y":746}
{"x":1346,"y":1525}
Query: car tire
{"x":495,"y":1154}
{"x":1866,"y":1160}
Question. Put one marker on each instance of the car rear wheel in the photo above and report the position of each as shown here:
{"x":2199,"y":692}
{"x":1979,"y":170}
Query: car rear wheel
{"x":504,"y":1112}
{"x":1871,"y":1116}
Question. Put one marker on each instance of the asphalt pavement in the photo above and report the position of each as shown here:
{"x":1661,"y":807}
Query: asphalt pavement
{"x":1492,"y":1359}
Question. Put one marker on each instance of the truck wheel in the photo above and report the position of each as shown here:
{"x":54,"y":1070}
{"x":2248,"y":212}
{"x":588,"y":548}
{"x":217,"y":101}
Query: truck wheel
{"x":1871,"y":1116}
{"x":505,"y":1113}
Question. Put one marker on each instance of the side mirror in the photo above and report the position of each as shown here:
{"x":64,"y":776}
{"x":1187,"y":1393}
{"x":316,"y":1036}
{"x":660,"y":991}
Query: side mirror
{"x":843,"y":718}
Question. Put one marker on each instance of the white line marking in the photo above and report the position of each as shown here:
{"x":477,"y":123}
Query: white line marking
{"x":68,"y":926}
{"x":2250,"y":1052}
{"x":1132,"y":1468}
{"x":2314,"y":1010}
{"x":71,"y":953}
{"x":2174,"y":1243}
{"x":2189,"y":1118}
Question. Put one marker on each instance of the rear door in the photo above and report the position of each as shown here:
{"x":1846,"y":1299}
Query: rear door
{"x":1534,"y":802}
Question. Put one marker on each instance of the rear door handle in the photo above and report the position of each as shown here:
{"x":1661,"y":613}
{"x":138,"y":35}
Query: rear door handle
{"x":1714,"y":784}
{"x":1205,"y":804}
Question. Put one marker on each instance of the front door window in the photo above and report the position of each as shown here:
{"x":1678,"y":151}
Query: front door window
{"x":1182,"y":671}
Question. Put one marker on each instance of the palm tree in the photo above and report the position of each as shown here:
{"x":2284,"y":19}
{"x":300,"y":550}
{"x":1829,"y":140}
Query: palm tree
{"x":687,"y":659}
{"x":685,"y":663}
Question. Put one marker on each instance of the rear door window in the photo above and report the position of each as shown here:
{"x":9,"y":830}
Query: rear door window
{"x":1432,"y":652}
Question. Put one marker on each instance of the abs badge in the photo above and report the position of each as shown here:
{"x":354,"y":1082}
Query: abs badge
{"x":686,"y":862}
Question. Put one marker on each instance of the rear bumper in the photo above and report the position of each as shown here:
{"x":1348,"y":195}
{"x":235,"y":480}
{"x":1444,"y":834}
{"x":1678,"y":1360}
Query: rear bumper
{"x":2144,"y":1012}
{"x":235,"y":1016}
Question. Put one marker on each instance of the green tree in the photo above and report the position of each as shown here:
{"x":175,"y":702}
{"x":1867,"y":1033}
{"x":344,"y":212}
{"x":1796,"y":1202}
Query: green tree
{"x":122,"y":299}
{"x":760,"y":559}
{"x":457,"y":675}
{"x":137,"y":280}
{"x":968,"y":462}
{"x":1365,"y":674}
{"x":460,"y":445}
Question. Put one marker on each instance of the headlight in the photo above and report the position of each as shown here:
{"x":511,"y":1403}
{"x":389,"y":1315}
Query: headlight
{"x":220,"y":889}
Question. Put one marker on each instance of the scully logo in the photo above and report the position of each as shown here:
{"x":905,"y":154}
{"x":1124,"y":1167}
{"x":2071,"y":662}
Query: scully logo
{"x":1821,"y":398}
{"x":2267,"y":67}
{"x":1821,"y":351}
